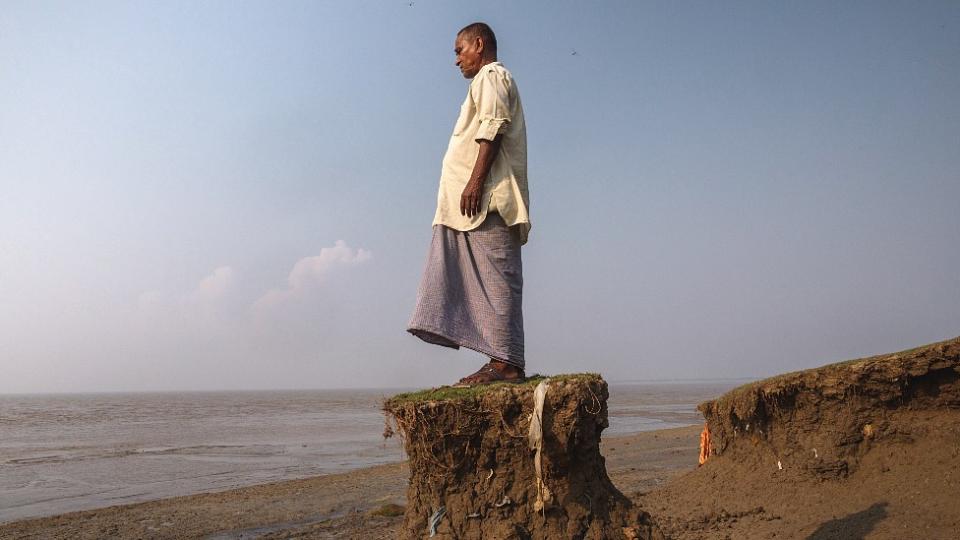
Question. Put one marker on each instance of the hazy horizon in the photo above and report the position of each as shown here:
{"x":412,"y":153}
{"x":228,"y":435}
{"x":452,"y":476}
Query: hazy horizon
{"x":238,"y":195}
{"x":612,"y":383}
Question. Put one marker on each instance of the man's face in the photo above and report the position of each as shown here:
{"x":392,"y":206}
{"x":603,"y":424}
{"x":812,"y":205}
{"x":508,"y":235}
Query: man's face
{"x":469,"y":51}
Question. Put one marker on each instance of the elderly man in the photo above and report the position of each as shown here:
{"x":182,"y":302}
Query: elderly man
{"x":471,"y":291}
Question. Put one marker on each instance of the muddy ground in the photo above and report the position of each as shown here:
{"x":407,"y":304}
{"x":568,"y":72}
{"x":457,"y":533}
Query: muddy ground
{"x":910,"y":490}
{"x":335,"y":506}
{"x":866,"y":448}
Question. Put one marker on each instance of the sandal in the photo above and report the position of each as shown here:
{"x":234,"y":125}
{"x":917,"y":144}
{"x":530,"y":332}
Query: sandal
{"x":486,"y":375}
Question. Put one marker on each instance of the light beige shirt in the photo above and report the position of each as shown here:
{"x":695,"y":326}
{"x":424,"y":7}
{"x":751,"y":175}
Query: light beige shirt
{"x":492,"y":106}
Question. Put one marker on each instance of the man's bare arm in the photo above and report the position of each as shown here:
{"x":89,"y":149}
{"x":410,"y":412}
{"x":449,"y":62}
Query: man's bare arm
{"x":473,"y":193}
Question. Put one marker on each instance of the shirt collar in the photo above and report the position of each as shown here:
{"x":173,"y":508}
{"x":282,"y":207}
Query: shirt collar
{"x":489,"y":66}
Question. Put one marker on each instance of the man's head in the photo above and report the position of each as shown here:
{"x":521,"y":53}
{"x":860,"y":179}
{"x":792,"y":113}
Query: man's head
{"x":475,"y":47}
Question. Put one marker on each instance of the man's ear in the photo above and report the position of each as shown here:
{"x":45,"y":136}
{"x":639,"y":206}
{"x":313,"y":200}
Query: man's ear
{"x":479,"y":45}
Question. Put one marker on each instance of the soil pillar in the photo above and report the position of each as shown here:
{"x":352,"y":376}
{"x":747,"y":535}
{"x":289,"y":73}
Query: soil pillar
{"x":473,"y":464}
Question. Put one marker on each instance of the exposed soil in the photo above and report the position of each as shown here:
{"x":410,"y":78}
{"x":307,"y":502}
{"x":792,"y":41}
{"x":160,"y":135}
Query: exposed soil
{"x":473,"y":473}
{"x":821,"y":422}
{"x":862,"y":449}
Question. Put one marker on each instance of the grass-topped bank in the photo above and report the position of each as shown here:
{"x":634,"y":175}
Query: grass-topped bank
{"x":822,"y":422}
{"x":449,"y":393}
{"x":862,"y":448}
{"x":494,"y":461}
{"x":900,"y":363}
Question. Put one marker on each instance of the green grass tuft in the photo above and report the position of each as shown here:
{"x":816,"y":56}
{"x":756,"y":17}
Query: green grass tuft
{"x":447,"y":393}
{"x":793,"y":376}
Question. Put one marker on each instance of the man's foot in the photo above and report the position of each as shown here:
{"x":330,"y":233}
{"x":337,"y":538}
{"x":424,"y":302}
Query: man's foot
{"x":491,"y":372}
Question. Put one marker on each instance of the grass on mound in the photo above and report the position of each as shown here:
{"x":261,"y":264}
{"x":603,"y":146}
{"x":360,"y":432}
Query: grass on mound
{"x":794,"y":376}
{"x":448,"y":393}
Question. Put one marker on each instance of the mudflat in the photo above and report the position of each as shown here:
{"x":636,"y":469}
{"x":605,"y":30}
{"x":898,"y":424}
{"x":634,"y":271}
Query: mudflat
{"x":908,"y":490}
{"x":355,"y":504}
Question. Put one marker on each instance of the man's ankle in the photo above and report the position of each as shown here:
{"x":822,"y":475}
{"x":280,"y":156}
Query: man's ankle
{"x":506,"y":368}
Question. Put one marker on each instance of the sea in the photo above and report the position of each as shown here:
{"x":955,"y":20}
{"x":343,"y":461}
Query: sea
{"x":66,"y":452}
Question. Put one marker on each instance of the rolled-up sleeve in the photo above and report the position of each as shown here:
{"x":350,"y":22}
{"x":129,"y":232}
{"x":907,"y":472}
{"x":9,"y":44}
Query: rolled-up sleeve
{"x":492,"y":98}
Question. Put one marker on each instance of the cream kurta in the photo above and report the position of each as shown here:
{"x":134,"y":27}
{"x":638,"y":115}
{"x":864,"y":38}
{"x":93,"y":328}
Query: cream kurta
{"x":492,"y":107}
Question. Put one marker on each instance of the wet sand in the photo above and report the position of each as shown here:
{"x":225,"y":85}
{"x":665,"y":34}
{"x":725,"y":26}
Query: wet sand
{"x":910,"y":492}
{"x":330,"y":506}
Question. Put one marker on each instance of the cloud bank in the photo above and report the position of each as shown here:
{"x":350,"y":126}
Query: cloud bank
{"x":310,"y":272}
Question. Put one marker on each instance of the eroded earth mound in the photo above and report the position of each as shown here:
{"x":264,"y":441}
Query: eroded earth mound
{"x":868,"y":448}
{"x":473,"y":471}
{"x":821,"y":422}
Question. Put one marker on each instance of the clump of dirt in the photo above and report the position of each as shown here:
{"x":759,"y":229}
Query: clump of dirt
{"x":473,"y":474}
{"x":864,"y":448}
{"x":821,"y":422}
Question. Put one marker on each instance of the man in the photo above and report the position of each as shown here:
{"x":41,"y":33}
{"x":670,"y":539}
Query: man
{"x":471,"y":291}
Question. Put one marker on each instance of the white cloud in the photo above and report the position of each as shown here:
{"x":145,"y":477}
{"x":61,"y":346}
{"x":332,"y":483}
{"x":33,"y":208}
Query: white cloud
{"x":215,"y":286}
{"x":214,"y":298}
{"x":312,"y":271}
{"x":204,"y":302}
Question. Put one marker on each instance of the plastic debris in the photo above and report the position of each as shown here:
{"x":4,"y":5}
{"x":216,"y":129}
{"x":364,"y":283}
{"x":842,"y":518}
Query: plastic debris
{"x":535,"y":438}
{"x":705,"y":447}
{"x":435,"y":520}
{"x":489,"y":476}
{"x":779,"y":465}
{"x":473,"y":515}
{"x":506,"y":500}
{"x":815,"y":454}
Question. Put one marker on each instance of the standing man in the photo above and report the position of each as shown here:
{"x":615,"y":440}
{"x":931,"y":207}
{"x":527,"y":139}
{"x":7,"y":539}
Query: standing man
{"x":472,"y":287}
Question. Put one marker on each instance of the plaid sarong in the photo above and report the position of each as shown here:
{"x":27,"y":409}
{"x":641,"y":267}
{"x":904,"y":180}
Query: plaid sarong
{"x":471,"y":292}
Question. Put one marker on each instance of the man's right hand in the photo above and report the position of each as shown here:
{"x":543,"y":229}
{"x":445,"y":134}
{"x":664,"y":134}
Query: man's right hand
{"x":470,"y":198}
{"x":473,"y":193}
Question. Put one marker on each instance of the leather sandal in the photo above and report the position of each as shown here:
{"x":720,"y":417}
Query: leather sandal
{"x":486,"y":375}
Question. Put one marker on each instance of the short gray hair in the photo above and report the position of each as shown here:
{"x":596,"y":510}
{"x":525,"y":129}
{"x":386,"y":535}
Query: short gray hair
{"x":482,"y":30}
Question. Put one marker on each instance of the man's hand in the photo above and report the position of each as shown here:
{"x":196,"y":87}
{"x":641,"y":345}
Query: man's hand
{"x":473,"y":193}
{"x":471,"y":197}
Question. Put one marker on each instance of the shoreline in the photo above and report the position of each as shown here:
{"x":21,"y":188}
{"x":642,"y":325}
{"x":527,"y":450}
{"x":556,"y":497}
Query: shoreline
{"x":337,"y":505}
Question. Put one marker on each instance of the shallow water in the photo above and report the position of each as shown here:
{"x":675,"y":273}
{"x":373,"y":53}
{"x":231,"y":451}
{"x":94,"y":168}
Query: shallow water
{"x":648,"y":406}
{"x":66,"y":452}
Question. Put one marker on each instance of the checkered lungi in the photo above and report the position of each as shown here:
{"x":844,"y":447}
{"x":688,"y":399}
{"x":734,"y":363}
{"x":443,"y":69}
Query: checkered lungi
{"x":472,"y":290}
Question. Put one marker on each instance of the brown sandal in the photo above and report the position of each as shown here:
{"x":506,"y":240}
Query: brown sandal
{"x":486,"y":375}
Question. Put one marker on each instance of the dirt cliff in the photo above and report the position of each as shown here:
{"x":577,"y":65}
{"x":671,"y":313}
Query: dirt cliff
{"x":866,"y":448}
{"x":822,"y":421}
{"x":473,"y":470}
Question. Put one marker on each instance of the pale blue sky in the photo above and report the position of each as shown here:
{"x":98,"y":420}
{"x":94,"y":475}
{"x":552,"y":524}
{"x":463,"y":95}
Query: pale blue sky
{"x":718,"y":189}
